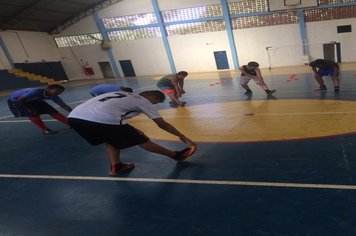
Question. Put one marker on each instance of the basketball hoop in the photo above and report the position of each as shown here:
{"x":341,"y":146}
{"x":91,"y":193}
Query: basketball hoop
{"x":291,"y":5}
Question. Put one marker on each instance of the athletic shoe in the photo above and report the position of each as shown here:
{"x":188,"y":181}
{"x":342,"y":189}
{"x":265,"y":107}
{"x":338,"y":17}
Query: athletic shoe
{"x":182,"y":104}
{"x":174,"y":104}
{"x":323,"y":88}
{"x":49,"y":131}
{"x":120,"y":168}
{"x":183,"y":154}
{"x":248,"y":92}
{"x":336,"y":89}
{"x":269,"y":92}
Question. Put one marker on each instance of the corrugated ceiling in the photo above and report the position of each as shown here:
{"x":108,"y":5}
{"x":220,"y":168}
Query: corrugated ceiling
{"x":49,"y":16}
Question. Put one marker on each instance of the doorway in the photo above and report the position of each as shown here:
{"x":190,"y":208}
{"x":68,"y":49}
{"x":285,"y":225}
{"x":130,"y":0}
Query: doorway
{"x":106,"y":70}
{"x":332,"y":51}
{"x":221,"y":60}
{"x":127,"y":68}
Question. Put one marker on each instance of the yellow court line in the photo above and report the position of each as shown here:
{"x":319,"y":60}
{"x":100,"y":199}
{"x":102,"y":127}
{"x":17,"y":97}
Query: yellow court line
{"x":183,"y":181}
{"x":197,"y":116}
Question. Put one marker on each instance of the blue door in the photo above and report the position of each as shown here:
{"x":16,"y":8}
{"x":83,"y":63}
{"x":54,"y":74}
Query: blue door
{"x":221,"y":60}
{"x":127,"y":68}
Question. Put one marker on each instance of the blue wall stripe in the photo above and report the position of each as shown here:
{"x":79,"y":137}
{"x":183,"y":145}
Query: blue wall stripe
{"x":105,"y":36}
{"x":7,"y":53}
{"x":230,"y":34}
{"x":303,"y":33}
{"x":164,"y":36}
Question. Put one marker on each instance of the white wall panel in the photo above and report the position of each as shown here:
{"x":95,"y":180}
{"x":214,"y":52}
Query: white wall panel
{"x":148,"y":56}
{"x":284,"y":40}
{"x":323,"y":32}
{"x":30,"y":46}
{"x":195,"y":52}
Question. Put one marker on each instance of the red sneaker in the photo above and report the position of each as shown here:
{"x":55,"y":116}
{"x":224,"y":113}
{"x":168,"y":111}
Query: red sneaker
{"x":120,"y":168}
{"x":185,"y":153}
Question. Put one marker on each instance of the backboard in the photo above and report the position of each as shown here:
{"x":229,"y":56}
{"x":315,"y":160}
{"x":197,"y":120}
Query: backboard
{"x":280,"y":5}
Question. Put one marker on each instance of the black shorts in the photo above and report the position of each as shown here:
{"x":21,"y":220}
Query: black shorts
{"x":37,"y":108}
{"x":119,"y":136}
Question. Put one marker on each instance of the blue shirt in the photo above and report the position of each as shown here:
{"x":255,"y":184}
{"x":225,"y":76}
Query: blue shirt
{"x":104,"y":88}
{"x":34,"y":94}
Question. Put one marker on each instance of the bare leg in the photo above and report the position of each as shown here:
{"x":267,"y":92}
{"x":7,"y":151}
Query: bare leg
{"x":245,"y":86}
{"x":263,"y":85}
{"x":60,"y":117}
{"x":36,"y":120}
{"x":153,"y":147}
{"x":243,"y":83}
{"x":319,"y":80}
{"x":113,"y":153}
{"x":336,"y":81}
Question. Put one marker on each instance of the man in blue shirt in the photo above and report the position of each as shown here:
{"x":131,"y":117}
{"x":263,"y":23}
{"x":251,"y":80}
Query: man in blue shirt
{"x":108,"y":88}
{"x":29,"y":102}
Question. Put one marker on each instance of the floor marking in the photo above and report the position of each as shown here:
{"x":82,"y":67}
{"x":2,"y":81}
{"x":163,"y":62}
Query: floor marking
{"x":182,"y":181}
{"x":21,"y":121}
{"x":226,"y":115}
{"x":200,"y":96}
{"x":138,"y":89}
{"x":81,"y":101}
{"x":4,"y":117}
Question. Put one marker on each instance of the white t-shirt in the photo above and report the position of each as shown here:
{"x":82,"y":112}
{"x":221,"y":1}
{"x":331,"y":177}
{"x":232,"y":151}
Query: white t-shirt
{"x":114,"y":108}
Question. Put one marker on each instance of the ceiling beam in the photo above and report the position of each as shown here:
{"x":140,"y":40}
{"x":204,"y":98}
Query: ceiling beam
{"x":83,"y":14}
{"x":23,"y":12}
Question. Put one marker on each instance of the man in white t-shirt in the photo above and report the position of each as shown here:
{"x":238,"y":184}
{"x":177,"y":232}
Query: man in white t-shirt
{"x":102,"y":119}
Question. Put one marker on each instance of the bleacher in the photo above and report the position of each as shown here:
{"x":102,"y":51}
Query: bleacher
{"x":53,"y":70}
{"x":10,"y":81}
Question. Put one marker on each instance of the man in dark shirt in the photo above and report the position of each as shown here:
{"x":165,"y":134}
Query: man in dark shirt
{"x":322,"y":68}
{"x":251,"y":71}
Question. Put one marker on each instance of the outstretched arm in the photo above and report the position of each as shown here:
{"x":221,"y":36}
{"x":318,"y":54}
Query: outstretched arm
{"x":66,"y":107}
{"x":176,"y":85}
{"x":171,"y":129}
{"x":258,"y":73}
{"x":61,"y":103}
{"x":181,"y":85}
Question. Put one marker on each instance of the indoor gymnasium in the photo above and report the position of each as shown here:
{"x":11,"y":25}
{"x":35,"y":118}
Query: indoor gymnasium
{"x":186,"y":118}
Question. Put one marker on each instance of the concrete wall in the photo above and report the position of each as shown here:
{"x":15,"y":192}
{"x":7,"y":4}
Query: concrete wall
{"x":322,"y":32}
{"x":30,"y":46}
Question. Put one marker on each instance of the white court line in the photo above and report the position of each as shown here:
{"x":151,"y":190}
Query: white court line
{"x":182,"y":181}
{"x":23,"y":121}
{"x":4,"y":117}
{"x":81,"y":101}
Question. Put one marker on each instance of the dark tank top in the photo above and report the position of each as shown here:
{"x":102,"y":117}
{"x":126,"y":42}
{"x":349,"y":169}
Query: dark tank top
{"x":249,"y":72}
